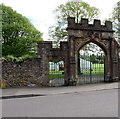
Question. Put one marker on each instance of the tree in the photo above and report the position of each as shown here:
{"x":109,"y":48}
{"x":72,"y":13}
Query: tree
{"x":72,"y":8}
{"x":116,"y":20}
{"x":19,"y":36}
{"x":77,"y":9}
{"x":57,"y":33}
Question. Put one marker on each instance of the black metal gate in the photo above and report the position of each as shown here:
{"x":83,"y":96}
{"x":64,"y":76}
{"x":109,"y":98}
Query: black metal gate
{"x":91,"y":68}
{"x":56,"y":73}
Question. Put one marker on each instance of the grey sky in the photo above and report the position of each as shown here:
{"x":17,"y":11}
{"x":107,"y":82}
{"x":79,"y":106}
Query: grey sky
{"x":40,"y":12}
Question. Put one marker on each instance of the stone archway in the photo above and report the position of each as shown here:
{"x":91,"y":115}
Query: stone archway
{"x":80,"y":34}
{"x":97,"y":43}
{"x":91,"y":64}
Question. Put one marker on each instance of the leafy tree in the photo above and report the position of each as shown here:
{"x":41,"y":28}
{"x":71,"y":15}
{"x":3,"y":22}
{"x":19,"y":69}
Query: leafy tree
{"x":77,"y":9}
{"x":19,"y":36}
{"x":57,"y":33}
{"x":72,"y":8}
{"x":116,"y":20}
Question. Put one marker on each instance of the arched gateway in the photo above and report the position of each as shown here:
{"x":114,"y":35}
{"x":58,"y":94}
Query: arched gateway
{"x":80,"y":34}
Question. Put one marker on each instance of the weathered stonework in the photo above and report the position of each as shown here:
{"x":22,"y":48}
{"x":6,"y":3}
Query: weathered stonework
{"x":80,"y":34}
{"x":119,"y":69}
{"x":47,"y":54}
{"x":23,"y":73}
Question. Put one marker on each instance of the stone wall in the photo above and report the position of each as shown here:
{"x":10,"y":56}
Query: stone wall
{"x":23,"y":73}
{"x":119,"y":69}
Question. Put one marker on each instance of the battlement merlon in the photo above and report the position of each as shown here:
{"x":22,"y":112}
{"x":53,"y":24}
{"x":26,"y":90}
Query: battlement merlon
{"x":84,"y":25}
{"x":48,"y":45}
{"x":44,"y":47}
{"x":45,"y":44}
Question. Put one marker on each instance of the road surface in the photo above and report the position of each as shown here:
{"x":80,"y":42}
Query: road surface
{"x":103,"y":103}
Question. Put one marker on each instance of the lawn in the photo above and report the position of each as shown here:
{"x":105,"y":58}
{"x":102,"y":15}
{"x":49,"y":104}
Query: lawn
{"x":97,"y":69}
{"x":56,"y":74}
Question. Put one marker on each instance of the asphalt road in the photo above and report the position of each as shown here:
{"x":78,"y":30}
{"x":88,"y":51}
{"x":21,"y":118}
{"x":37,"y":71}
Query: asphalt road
{"x":102,"y":103}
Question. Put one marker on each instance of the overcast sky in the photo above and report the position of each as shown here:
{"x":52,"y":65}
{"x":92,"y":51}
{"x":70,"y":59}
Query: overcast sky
{"x":40,"y":12}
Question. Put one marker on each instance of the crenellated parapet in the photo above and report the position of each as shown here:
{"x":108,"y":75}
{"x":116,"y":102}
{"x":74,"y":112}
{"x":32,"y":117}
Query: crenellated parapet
{"x":84,"y":25}
{"x":45,"y":47}
{"x":80,"y":34}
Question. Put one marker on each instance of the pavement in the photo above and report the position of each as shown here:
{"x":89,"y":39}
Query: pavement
{"x":41,"y":91}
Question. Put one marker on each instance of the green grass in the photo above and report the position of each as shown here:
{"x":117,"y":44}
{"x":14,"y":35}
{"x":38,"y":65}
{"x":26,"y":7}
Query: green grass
{"x":56,"y":74}
{"x":97,"y":69}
